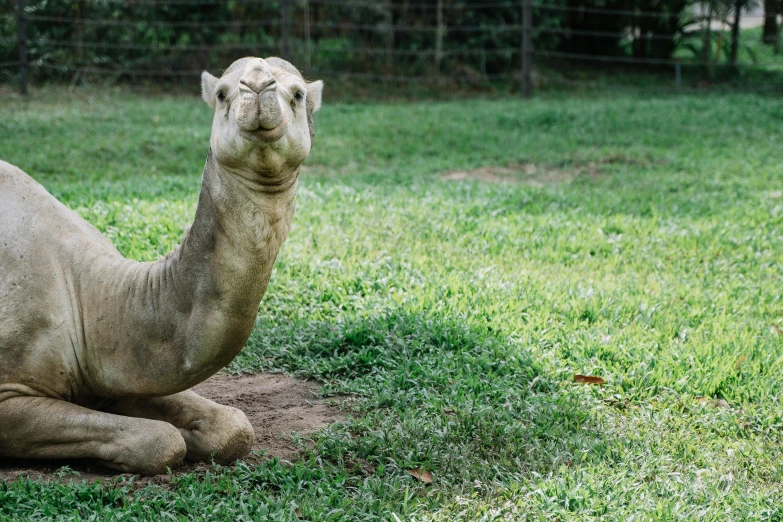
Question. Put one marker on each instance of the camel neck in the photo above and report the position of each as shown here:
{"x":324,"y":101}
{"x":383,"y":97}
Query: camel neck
{"x":192,"y":311}
{"x":223,"y":267}
{"x":234,"y":240}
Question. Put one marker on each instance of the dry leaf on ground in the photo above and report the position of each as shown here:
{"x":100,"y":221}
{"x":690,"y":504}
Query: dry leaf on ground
{"x":588,"y":379}
{"x":421,"y":474}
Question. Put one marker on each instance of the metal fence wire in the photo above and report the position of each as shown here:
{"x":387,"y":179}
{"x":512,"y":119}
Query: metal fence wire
{"x":382,"y":40}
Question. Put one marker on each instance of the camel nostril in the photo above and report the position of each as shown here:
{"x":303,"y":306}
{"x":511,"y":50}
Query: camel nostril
{"x":258,"y":84}
{"x":269,"y":85}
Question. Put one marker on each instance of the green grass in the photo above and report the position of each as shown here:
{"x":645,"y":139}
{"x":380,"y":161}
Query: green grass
{"x":458,"y":312}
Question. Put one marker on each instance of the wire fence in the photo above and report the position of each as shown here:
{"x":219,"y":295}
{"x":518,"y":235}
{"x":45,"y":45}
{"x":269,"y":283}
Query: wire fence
{"x":441,"y":41}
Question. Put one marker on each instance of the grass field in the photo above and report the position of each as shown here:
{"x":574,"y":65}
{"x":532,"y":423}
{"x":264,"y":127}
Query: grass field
{"x":641,"y":241}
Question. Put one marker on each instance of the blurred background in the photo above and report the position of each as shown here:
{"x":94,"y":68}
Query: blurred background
{"x":502,"y":46}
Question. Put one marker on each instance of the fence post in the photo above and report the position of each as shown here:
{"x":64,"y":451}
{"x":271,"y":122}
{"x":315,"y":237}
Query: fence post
{"x":307,"y":34}
{"x":80,"y":32}
{"x":777,"y":39}
{"x":21,"y":24}
{"x":439,"y":38}
{"x":389,"y":20}
{"x":527,"y":49}
{"x":285,"y":29}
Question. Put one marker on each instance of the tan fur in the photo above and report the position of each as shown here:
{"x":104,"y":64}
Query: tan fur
{"x":97,"y":351}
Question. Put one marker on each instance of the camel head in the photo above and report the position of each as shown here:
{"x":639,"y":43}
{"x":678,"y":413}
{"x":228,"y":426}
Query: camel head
{"x":263,"y":123}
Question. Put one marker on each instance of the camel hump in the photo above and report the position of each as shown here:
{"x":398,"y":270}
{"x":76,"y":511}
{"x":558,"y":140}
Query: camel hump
{"x":20,"y":190}
{"x":26,"y":206}
{"x":12,"y":175}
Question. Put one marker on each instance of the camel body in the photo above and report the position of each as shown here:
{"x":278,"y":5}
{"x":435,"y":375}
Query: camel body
{"x":97,"y":352}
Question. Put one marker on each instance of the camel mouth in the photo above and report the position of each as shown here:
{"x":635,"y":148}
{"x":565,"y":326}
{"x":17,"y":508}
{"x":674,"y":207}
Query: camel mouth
{"x":267,"y":135}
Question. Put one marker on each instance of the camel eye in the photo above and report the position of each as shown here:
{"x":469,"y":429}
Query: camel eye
{"x":221,"y":96}
{"x":299,"y":96}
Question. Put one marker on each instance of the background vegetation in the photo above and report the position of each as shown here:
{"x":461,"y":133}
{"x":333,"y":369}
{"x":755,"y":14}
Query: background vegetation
{"x":480,"y":39}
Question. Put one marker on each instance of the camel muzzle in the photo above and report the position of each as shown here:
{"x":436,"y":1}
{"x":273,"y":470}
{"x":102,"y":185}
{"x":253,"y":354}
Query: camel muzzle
{"x":260,"y":112}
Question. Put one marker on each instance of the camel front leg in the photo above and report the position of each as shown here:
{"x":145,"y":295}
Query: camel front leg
{"x":47,"y":428}
{"x":210,"y":430}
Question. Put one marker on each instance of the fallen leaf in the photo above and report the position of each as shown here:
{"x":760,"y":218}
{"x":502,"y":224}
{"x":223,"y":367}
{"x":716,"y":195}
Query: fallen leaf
{"x":449,"y":411}
{"x":298,"y":513}
{"x":739,"y":362}
{"x":421,"y":474}
{"x":588,"y":379}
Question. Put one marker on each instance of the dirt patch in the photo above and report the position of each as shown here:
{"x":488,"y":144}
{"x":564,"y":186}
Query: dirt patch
{"x":524,"y":173}
{"x":538,"y":174}
{"x":532,"y":174}
{"x":275,"y":404}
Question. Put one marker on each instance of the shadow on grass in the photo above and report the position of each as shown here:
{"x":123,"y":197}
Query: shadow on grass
{"x":437,"y":393}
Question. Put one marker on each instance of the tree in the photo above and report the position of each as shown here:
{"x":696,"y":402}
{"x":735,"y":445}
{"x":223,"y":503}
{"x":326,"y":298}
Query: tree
{"x":771,"y":10}
{"x":738,"y":6}
{"x":663,"y":21}
{"x":735,"y":27}
{"x":780,"y":29}
{"x":708,"y":7}
{"x":604,"y":27}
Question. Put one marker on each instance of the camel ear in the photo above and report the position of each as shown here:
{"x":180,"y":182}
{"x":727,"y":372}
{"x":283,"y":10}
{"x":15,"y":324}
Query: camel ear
{"x":314,"y":91}
{"x":208,"y":83}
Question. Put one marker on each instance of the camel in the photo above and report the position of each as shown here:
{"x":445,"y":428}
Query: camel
{"x":98,"y":352}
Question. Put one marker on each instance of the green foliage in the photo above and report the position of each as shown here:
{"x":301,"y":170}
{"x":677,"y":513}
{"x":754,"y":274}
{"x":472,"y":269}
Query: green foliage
{"x":165,"y":36}
{"x":754,"y":58}
{"x":623,"y":26}
{"x":637,"y":238}
{"x":346,"y":37}
{"x":137,"y":41}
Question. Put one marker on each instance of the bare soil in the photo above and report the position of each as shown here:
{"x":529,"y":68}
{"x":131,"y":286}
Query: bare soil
{"x":524,"y":173}
{"x":538,"y":175}
{"x":275,"y":404}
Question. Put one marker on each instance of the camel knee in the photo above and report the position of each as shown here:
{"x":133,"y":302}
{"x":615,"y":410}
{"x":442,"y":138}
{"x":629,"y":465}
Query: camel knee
{"x":150,"y":450}
{"x":225,"y":437}
{"x":169,"y":446}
